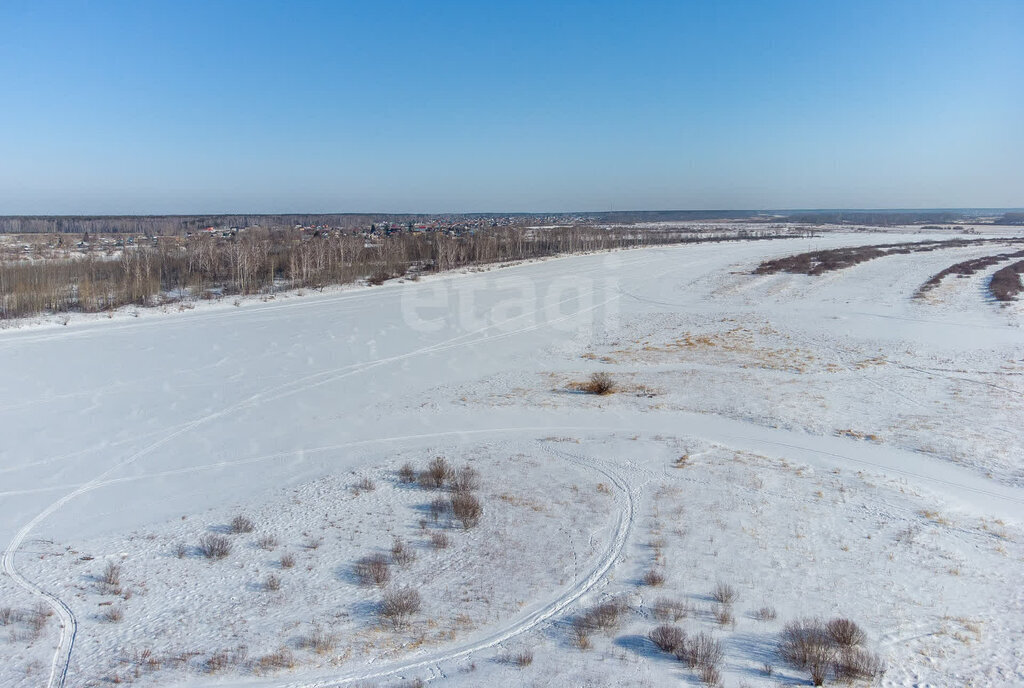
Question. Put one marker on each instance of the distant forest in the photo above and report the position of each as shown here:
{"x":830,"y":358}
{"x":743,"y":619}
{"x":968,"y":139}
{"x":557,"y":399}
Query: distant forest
{"x":167,"y":225}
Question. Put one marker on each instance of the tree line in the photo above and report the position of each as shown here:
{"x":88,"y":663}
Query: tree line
{"x":260,"y":262}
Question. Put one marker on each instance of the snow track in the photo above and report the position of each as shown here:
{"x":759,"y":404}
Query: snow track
{"x":626,"y":503}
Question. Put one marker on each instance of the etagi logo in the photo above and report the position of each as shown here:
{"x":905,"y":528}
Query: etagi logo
{"x":584,"y":302}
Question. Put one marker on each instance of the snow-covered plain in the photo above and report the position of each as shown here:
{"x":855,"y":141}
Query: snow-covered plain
{"x":849,"y":450}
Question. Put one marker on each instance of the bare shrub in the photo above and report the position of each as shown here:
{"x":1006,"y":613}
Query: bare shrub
{"x":111,"y":576}
{"x":669,"y":609}
{"x":407,"y":474}
{"x":466,"y":508}
{"x":765,"y":613}
{"x":401,"y":553}
{"x":6,"y":616}
{"x":287,"y":561}
{"x":579,"y":633}
{"x":701,"y":650}
{"x":845,"y":633}
{"x":805,"y":642}
{"x":523,"y":659}
{"x":281,"y":659}
{"x":180,"y":550}
{"x":854,"y":663}
{"x":319,"y":641}
{"x":601,"y":617}
{"x":709,"y":675}
{"x":667,"y":637}
{"x":373,"y":570}
{"x":724,"y":593}
{"x":365,"y":485}
{"x":267,"y":542}
{"x":437,"y":474}
{"x":438,"y":508}
{"x":653,"y":578}
{"x":819,"y":671}
{"x":399,"y":605}
{"x":112,"y":615}
{"x":465,"y":479}
{"x":724,"y":615}
{"x":241,"y":524}
{"x":214,"y":546}
{"x":272,"y":583}
{"x":600,"y":384}
{"x":218,"y":661}
{"x":439,"y":540}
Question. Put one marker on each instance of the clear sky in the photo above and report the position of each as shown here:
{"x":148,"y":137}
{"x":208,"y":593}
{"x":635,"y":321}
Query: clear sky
{"x":433,"y":106}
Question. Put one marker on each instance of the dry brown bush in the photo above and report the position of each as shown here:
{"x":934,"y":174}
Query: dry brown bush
{"x":466,"y":508}
{"x":438,"y":472}
{"x":373,"y":570}
{"x":724,"y":615}
{"x":653,"y":578}
{"x":845,"y":633}
{"x":241,"y":524}
{"x":287,"y":561}
{"x":439,"y":540}
{"x":399,"y":605}
{"x":855,"y":664}
{"x":365,"y":484}
{"x":112,"y":614}
{"x":319,"y":641}
{"x":401,"y":553}
{"x":272,"y":583}
{"x":281,"y":659}
{"x":599,"y":383}
{"x":439,"y":507}
{"x":214,"y":546}
{"x":724,"y":593}
{"x":579,"y":633}
{"x":700,"y":651}
{"x":465,"y":479}
{"x":669,"y":609}
{"x":667,"y":637}
{"x":765,"y":613}
{"x":709,"y":675}
{"x":267,"y":542}
{"x":523,"y":658}
{"x":111,"y":576}
{"x":407,"y":474}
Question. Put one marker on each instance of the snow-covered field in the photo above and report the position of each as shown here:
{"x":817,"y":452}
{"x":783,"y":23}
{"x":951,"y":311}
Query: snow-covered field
{"x":827,"y":446}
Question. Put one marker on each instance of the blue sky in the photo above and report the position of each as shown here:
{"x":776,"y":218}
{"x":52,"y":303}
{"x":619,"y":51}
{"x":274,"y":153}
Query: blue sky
{"x":198,"y":107}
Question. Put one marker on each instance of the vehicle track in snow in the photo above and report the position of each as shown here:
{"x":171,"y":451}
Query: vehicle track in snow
{"x":626,"y":497}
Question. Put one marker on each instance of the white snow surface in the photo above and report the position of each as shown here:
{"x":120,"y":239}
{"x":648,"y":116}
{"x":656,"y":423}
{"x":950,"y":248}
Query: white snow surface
{"x":829,"y":446}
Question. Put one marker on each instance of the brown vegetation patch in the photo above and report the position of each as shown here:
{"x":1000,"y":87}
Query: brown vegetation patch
{"x":828,"y":260}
